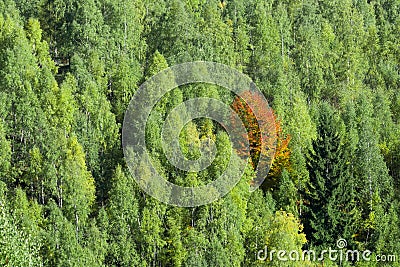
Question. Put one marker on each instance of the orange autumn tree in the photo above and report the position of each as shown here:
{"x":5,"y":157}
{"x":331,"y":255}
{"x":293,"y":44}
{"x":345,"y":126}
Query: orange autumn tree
{"x":281,"y":159}
{"x":265,"y":123}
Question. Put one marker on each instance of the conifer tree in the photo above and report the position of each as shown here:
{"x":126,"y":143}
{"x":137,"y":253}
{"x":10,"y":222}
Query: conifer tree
{"x":330,"y":197}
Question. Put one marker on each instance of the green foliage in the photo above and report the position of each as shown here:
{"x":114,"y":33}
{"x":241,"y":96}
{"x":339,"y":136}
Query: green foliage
{"x":122,"y":221}
{"x":68,"y":69}
{"x":18,"y":247}
{"x":284,"y":233}
{"x":5,"y":155}
{"x":330,"y":199}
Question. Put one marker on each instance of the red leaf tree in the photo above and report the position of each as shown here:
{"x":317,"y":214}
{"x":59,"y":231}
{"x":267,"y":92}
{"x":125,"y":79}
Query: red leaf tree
{"x":263,"y":132}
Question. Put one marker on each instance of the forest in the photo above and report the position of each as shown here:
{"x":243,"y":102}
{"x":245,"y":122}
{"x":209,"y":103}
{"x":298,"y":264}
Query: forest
{"x":330,"y":70}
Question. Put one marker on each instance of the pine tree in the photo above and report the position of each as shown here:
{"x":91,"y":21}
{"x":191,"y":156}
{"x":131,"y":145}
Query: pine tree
{"x":330,"y":196}
{"x":286,"y":195}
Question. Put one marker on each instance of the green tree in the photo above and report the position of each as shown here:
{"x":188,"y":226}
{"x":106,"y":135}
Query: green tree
{"x":72,"y":26}
{"x":308,"y":54}
{"x":373,"y":184}
{"x":96,"y":126}
{"x":266,"y":57}
{"x":260,"y":211}
{"x":5,"y":156}
{"x":20,"y":85}
{"x":174,"y":252}
{"x":18,"y":247}
{"x":215,"y":41}
{"x":76,"y":184}
{"x":151,"y":232}
{"x":330,"y":197}
{"x":285,"y":232}
{"x":174,"y":36}
{"x":63,"y":245}
{"x":125,"y":51}
{"x":123,"y":221}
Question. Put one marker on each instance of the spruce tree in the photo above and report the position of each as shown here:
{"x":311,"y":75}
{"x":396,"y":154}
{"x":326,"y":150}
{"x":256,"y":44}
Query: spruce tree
{"x":329,"y":198}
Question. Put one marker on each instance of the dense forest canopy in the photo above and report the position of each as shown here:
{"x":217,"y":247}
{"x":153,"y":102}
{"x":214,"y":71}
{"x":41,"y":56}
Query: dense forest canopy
{"x":330,"y":70}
